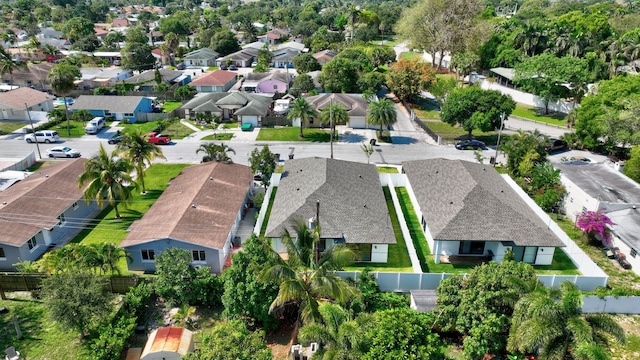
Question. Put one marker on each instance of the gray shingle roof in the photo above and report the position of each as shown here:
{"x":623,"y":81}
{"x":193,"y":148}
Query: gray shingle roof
{"x":202,"y":54}
{"x":115,"y":104}
{"x":461,"y":200}
{"x":148,"y":77}
{"x":601,"y":181}
{"x":353,"y":103}
{"x":351,"y":199}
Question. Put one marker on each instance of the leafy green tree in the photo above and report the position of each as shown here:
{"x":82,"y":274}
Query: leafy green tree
{"x":82,"y":116}
{"x":88,"y":43}
{"x":224,"y":42}
{"x":382,"y":113}
{"x":56,"y":115}
{"x":466,"y":305}
{"x":77,"y":300}
{"x":550,"y":321}
{"x":523,"y":151}
{"x":302,"y":111}
{"x":231,"y":340}
{"x":77,"y":28}
{"x":407,"y":78}
{"x":61,"y":78}
{"x":411,"y":338}
{"x":136,"y":55}
{"x":139,"y":152}
{"x":307,"y":277}
{"x":263,"y":162}
{"x":109,"y":178}
{"x":185,"y":92}
{"x":339,"y":75}
{"x":441,"y":88}
{"x":245,"y":297}
{"x":305,"y":62}
{"x":180,"y":283}
{"x":371,"y":82}
{"x":339,"y":336}
{"x":545,"y":186}
{"x":632,"y":166}
{"x":302,"y":83}
{"x":474,"y":108}
{"x":215,"y":152}
{"x":163,"y":89}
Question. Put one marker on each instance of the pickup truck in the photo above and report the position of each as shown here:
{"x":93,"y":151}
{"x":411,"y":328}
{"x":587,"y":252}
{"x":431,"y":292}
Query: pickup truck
{"x":157,"y":139}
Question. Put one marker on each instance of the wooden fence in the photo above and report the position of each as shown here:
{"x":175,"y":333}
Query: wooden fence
{"x":32,"y":282}
{"x":275,"y":121}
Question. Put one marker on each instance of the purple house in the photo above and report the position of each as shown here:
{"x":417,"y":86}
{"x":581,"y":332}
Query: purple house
{"x":267,"y":83}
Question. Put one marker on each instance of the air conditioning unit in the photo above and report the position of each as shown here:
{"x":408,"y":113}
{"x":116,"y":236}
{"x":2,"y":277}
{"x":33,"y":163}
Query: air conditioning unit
{"x":313,"y":347}
{"x":296,"y":352}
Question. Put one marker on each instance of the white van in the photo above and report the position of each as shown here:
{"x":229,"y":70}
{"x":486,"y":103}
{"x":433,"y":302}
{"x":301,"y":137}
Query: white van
{"x":95,"y":125}
{"x":45,"y":136}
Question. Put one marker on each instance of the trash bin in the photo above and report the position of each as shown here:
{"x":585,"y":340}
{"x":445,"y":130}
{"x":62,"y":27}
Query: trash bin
{"x":290,"y":156}
{"x":372,"y":142}
{"x":276,"y":156}
{"x":492,"y":161}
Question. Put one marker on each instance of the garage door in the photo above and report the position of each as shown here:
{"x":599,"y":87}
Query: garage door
{"x":253,"y":120}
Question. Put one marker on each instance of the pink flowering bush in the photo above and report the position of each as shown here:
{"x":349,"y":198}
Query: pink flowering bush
{"x":593,"y":222}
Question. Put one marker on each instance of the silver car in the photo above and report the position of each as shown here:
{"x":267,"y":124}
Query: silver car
{"x":62,"y":152}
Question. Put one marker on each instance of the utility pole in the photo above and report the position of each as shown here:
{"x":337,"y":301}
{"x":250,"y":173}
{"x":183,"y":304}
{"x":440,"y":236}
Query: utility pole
{"x":499,"y":133}
{"x":317,"y":232}
{"x":33,"y":131}
{"x":331,"y":124}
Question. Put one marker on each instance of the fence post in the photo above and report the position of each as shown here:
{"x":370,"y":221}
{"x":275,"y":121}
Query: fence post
{"x":2,"y":295}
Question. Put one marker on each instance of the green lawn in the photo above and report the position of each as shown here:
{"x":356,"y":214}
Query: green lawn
{"x":43,"y":338}
{"x":7,"y":127}
{"x":107,"y":228}
{"x":144,"y":126}
{"x":193,"y":123}
{"x":76,"y":127}
{"x":231,"y":125}
{"x":293,"y":134}
{"x":398,"y":258}
{"x":417,"y":235}
{"x":560,"y":265}
{"x":454,"y":134}
{"x":219,"y":136}
{"x":426,"y":114}
{"x":211,"y":68}
{"x":263,"y":229}
{"x":531,"y":113}
{"x":171,"y":105}
{"x":387,"y":170}
{"x":411,"y":56}
{"x":177,"y":130}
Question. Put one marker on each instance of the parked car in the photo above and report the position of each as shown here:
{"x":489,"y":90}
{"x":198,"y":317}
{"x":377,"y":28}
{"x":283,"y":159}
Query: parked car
{"x":61,"y":101}
{"x":180,"y":66}
{"x":470,"y":144}
{"x":223,"y":67}
{"x":62,"y":152}
{"x":555,"y":145}
{"x":157,"y":139}
{"x":114,"y":140}
{"x":45,"y":136}
{"x":95,"y":125}
{"x":233,"y":67}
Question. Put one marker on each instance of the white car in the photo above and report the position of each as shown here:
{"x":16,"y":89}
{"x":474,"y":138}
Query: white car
{"x":45,"y":136}
{"x":95,"y":125}
{"x":62,"y":152}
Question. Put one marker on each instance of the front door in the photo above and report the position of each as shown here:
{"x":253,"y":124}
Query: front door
{"x":471,"y":248}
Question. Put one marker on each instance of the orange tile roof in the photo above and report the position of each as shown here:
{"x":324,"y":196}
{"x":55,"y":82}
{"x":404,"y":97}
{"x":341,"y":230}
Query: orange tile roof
{"x":168,"y":339}
{"x":216,"y":77}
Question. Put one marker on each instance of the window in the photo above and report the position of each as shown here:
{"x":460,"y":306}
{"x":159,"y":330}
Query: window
{"x":148,"y":255}
{"x":107,"y":113}
{"x":62,"y":218}
{"x":275,"y":87}
{"x":75,"y":205}
{"x":128,"y":114}
{"x":2,"y":254}
{"x":471,"y":247}
{"x":633,"y":253}
{"x":198,"y":255}
{"x":584,"y":209}
{"x":32,"y":243}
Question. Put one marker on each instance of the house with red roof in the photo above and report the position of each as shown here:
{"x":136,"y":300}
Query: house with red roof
{"x":215,"y":81}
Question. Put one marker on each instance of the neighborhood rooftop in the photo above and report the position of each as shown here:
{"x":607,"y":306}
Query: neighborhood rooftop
{"x":602,"y":182}
{"x":352,"y":203}
{"x":196,"y":207}
{"x":124,"y":104}
{"x":466,"y":201}
{"x":36,"y":202}
{"x":20,"y":97}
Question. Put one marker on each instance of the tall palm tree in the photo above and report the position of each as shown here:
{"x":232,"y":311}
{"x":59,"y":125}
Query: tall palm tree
{"x":340,"y":337}
{"x":50,"y":50}
{"x":139,"y":152}
{"x":62,"y":77}
{"x":550,"y":321}
{"x":7,"y":65}
{"x":382,"y":113}
{"x":302,"y":110}
{"x":108,"y":255}
{"x":215,"y":152}
{"x":307,"y":278}
{"x":332,"y":115}
{"x":109,"y":177}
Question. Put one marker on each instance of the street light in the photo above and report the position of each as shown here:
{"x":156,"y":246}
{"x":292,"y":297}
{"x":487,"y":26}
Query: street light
{"x":495,"y":160}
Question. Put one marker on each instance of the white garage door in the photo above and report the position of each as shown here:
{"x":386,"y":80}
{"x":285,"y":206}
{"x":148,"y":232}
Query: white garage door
{"x":253,"y":120}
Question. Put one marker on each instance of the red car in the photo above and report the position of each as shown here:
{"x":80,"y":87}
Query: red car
{"x":157,"y":139}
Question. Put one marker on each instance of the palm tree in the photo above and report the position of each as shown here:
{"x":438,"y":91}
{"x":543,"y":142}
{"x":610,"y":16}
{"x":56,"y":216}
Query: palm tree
{"x":339,"y":337}
{"x":550,"y":321}
{"x":109,"y":178}
{"x":332,"y":115}
{"x":139,"y":152}
{"x":215,"y":152}
{"x":307,"y":277}
{"x":382,"y":113}
{"x":302,"y":110}
{"x":56,"y":115}
{"x":108,"y":255}
{"x":50,"y":50}
{"x":7,"y":65}
{"x":62,"y":77}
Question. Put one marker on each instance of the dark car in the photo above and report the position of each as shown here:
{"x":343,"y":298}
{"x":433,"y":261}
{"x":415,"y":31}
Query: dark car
{"x":470,"y":144}
{"x":223,"y":67}
{"x":114,"y":140}
{"x":180,"y":66}
{"x":233,"y":67}
{"x":555,"y":145}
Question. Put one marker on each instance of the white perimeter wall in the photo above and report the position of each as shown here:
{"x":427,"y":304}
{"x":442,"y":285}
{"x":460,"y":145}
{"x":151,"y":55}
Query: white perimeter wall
{"x":528,"y":99}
